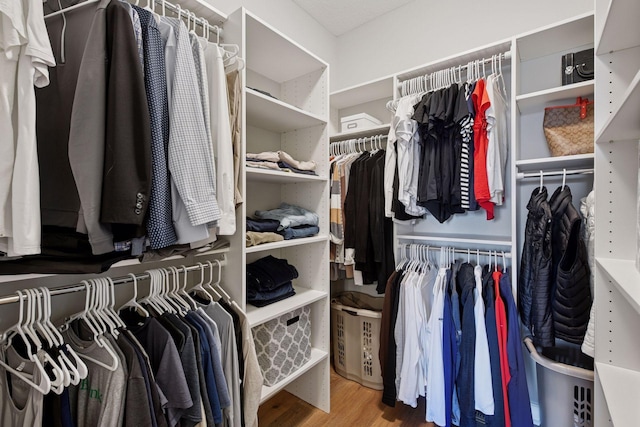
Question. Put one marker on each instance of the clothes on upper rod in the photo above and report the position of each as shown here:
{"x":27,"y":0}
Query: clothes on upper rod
{"x":436,"y":342}
{"x":450,"y":147}
{"x":120,"y":147}
{"x":361,"y":235}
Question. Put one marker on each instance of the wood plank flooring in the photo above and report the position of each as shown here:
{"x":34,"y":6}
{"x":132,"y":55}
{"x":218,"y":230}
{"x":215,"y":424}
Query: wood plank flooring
{"x":351,"y":405}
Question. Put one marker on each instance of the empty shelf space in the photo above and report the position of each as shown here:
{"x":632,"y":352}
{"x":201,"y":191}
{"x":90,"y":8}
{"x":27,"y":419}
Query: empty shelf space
{"x":277,"y":116}
{"x":621,"y":388}
{"x":343,"y":136}
{"x":555,"y":38}
{"x":625,"y":277}
{"x":620,"y":29}
{"x":363,"y":93}
{"x":287,"y":243}
{"x":280,"y":177}
{"x":202,"y":9}
{"x":555,"y":163}
{"x":317,"y":356}
{"x":469,"y":239}
{"x":623,"y":123}
{"x":536,"y":101}
{"x":303,"y":297}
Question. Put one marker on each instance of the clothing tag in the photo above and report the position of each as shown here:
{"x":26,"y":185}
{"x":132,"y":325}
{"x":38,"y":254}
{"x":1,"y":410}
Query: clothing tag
{"x":20,"y":367}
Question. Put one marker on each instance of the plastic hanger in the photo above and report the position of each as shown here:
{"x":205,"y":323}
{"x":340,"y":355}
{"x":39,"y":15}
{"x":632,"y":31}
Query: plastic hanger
{"x":541,"y":180}
{"x":564,"y":178}
{"x":77,"y":368}
{"x":111,"y":301}
{"x":199,"y":288}
{"x":182,"y":291}
{"x":133,"y":303}
{"x":44,"y":385}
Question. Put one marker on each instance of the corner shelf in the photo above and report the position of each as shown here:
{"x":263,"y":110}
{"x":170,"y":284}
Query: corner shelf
{"x":287,"y":243}
{"x":277,"y":116}
{"x":303,"y":297}
{"x":625,"y":277}
{"x":280,"y":177}
{"x":623,"y":124}
{"x":622,"y":392}
{"x":535,"y":101}
{"x":343,"y":136}
{"x":317,"y":356}
{"x":622,"y":16}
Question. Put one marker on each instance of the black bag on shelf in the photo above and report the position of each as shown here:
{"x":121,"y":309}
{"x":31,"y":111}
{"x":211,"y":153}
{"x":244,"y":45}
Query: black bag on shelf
{"x":577,"y":67}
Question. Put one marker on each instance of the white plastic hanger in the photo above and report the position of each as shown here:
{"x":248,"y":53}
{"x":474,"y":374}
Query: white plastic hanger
{"x":133,"y":303}
{"x":564,"y":178}
{"x":44,"y":386}
{"x":199,"y":288}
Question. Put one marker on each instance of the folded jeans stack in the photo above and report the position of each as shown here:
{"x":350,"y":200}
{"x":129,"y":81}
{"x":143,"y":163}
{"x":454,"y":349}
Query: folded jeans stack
{"x":288,"y":221}
{"x":269,"y":280}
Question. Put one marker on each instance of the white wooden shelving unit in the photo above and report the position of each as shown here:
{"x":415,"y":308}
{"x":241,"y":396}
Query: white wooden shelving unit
{"x":616,"y":159}
{"x":294,"y":117}
{"x":537,"y":80}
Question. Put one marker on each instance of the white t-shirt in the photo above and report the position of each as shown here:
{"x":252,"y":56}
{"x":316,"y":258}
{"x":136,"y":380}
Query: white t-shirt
{"x":483,"y":387}
{"x":436,"y":411}
{"x":21,"y":67}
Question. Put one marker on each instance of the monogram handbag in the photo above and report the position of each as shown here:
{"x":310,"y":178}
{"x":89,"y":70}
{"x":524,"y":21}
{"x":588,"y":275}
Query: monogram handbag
{"x":569,"y":128}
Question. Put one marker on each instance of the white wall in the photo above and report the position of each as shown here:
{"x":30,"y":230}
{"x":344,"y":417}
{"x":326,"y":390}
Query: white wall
{"x":424,"y":31}
{"x":294,"y":22}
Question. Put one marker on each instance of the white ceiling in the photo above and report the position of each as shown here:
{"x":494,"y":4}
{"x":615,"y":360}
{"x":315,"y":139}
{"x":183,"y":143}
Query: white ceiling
{"x":341,"y":16}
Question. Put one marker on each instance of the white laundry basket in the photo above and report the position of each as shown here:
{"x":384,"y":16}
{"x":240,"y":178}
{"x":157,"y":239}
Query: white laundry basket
{"x":565,"y":392}
{"x":356,"y":343}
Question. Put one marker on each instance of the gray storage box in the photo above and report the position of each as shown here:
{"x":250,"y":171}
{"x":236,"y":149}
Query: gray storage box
{"x":283,"y":344}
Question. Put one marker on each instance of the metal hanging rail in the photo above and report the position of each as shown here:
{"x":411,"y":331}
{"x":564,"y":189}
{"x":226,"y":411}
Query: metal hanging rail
{"x":421,"y":246}
{"x":565,"y":172}
{"x":78,"y":287}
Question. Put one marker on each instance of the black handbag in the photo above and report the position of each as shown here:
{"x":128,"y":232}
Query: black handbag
{"x":577,"y":67}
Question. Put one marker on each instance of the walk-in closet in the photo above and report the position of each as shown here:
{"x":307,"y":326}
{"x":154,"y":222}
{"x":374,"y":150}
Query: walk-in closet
{"x":307,"y":213}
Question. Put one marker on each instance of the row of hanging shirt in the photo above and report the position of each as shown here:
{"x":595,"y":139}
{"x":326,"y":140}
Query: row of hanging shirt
{"x":174,"y":358}
{"x":450,"y":333}
{"x":136,"y":142}
{"x":361,"y":235}
{"x":448,"y":144}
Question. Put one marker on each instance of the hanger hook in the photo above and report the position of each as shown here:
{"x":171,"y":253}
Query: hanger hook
{"x":541,"y":180}
{"x":564,"y":177}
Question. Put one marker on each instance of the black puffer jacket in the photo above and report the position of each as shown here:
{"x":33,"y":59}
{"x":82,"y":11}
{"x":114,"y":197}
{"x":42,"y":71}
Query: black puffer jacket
{"x":535,"y":277}
{"x":571,"y":301}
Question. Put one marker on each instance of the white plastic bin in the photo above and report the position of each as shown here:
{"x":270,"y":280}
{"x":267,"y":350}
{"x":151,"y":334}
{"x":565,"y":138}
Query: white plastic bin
{"x":565,"y":392}
{"x":356,"y":342}
{"x":358,"y":122}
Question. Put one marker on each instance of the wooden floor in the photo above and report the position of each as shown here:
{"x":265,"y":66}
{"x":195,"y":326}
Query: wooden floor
{"x":351,"y":405}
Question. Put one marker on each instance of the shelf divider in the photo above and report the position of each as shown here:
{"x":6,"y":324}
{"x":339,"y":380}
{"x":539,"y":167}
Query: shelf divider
{"x":303,"y":297}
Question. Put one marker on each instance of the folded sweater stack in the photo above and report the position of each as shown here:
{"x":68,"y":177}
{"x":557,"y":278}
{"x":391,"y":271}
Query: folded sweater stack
{"x":269,"y":280}
{"x":281,"y":161}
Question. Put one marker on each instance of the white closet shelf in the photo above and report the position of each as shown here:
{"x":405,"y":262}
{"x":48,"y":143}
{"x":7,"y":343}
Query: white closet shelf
{"x":568,"y":162}
{"x":621,"y":18}
{"x":362,"y":93}
{"x":555,"y":38}
{"x":382,"y":129}
{"x":536,"y":101}
{"x":274,"y":55}
{"x":202,"y":9}
{"x":272,"y":114}
{"x":279,"y":177}
{"x":625,"y":277}
{"x":287,"y":243}
{"x":317,"y":356}
{"x":623,"y":123}
{"x":133,"y":262}
{"x":621,"y":389}
{"x":303,"y":297}
{"x":448,"y":238}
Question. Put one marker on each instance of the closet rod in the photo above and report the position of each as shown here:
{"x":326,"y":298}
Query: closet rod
{"x":456,"y":250}
{"x":365,"y":138}
{"x":504,"y":55}
{"x":163,"y":3}
{"x":68,"y":289}
{"x":523,"y":175}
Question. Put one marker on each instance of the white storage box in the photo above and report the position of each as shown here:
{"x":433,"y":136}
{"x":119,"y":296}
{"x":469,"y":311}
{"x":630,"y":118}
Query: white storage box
{"x":565,"y":392}
{"x":358,"y":122}
{"x":283,"y":344}
{"x":356,"y":342}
